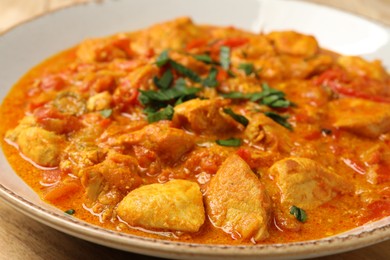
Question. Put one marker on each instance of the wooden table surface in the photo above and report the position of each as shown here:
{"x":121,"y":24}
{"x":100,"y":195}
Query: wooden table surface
{"x":23,"y":238}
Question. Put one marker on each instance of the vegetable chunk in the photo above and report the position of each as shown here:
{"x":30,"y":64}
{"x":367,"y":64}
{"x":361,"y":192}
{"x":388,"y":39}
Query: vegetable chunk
{"x":204,"y":116}
{"x":306,"y":184}
{"x":237,"y":202}
{"x":176,"y":205}
{"x":363,"y":117}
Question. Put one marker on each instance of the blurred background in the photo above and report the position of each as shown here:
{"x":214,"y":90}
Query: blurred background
{"x":15,"y":11}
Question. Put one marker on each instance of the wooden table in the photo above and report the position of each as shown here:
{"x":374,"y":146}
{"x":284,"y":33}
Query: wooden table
{"x":23,"y":238}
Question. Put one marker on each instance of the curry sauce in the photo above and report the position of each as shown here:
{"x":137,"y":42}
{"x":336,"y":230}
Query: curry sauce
{"x":205,"y":134}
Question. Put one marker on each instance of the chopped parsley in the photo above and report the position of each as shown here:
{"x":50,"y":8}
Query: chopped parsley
{"x":163,"y":58}
{"x":268,"y":96}
{"x":163,"y":99}
{"x":165,"y":81}
{"x":281,"y":120}
{"x":239,"y":118}
{"x":203,"y":58}
{"x":106,"y":113}
{"x":163,"y":114}
{"x":70,"y":211}
{"x":248,"y":68}
{"x":235,"y":142}
{"x":298,"y":213}
{"x":224,"y":57}
{"x":211,"y":79}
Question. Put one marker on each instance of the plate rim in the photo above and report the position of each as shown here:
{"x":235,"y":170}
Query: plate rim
{"x":138,"y":244}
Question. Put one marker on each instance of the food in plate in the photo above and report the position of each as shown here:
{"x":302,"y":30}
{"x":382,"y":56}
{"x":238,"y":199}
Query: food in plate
{"x":205,"y":134}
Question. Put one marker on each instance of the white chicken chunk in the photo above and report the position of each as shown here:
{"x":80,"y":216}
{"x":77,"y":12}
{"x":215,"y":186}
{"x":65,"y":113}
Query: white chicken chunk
{"x":204,"y":116}
{"x":168,"y":142}
{"x":169,"y":35}
{"x":99,"y":101}
{"x":263,"y":131}
{"x":104,"y":49}
{"x":176,"y":206}
{"x":360,"y":116}
{"x":39,"y":145}
{"x":237,"y":202}
{"x":307,"y":184}
{"x":293,"y":43}
{"x":359,"y":67}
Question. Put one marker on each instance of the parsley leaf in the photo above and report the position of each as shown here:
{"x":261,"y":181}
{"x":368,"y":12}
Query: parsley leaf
{"x":268,"y":96}
{"x":163,"y":58}
{"x":70,"y":211}
{"x":298,"y":213}
{"x":106,"y":113}
{"x":236,"y":95}
{"x":185,"y":71}
{"x":248,"y":68}
{"x":211,"y":79}
{"x":203,"y":58}
{"x":224,"y":57}
{"x":165,"y":81}
{"x":163,"y":114}
{"x":239,"y":118}
{"x":178,"y":90}
{"x":235,"y":142}
{"x":282,"y":120}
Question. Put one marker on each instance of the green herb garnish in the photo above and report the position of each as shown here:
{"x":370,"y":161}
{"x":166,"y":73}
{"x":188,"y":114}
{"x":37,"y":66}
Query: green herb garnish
{"x":165,"y":81}
{"x":211,"y":80}
{"x":203,"y":58}
{"x":70,"y":211}
{"x":239,"y":118}
{"x":235,"y":142}
{"x":248,"y":68}
{"x":177,"y":91}
{"x":163,"y":58}
{"x":106,"y":113}
{"x":224,"y":57}
{"x":298,"y":213}
{"x":163,"y":114}
{"x":185,"y":71}
{"x":268,"y":96}
{"x":154,"y":101}
{"x":282,"y":120}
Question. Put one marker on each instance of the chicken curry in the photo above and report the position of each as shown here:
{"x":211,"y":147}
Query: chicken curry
{"x":205,"y":134}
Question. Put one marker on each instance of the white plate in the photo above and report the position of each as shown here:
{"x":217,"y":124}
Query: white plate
{"x":28,"y":44}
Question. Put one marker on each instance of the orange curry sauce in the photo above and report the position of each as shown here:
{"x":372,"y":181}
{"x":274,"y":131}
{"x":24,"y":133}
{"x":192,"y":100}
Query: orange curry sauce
{"x":312,"y":127}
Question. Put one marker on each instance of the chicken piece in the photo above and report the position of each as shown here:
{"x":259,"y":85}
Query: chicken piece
{"x":168,"y":142}
{"x":293,"y":43}
{"x":140,"y":78}
{"x":263,"y":131}
{"x":237,"y":202}
{"x":117,"y":170}
{"x":169,"y":35}
{"x":41,"y":146}
{"x":176,"y":205}
{"x":359,"y":67}
{"x":296,"y":67}
{"x":104,"y":49}
{"x":204,"y":116}
{"x":360,"y":116}
{"x":307,"y":184}
{"x":99,"y":101}
{"x":258,"y":46}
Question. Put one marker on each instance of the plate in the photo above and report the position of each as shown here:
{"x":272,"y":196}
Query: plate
{"x":30,"y":43}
